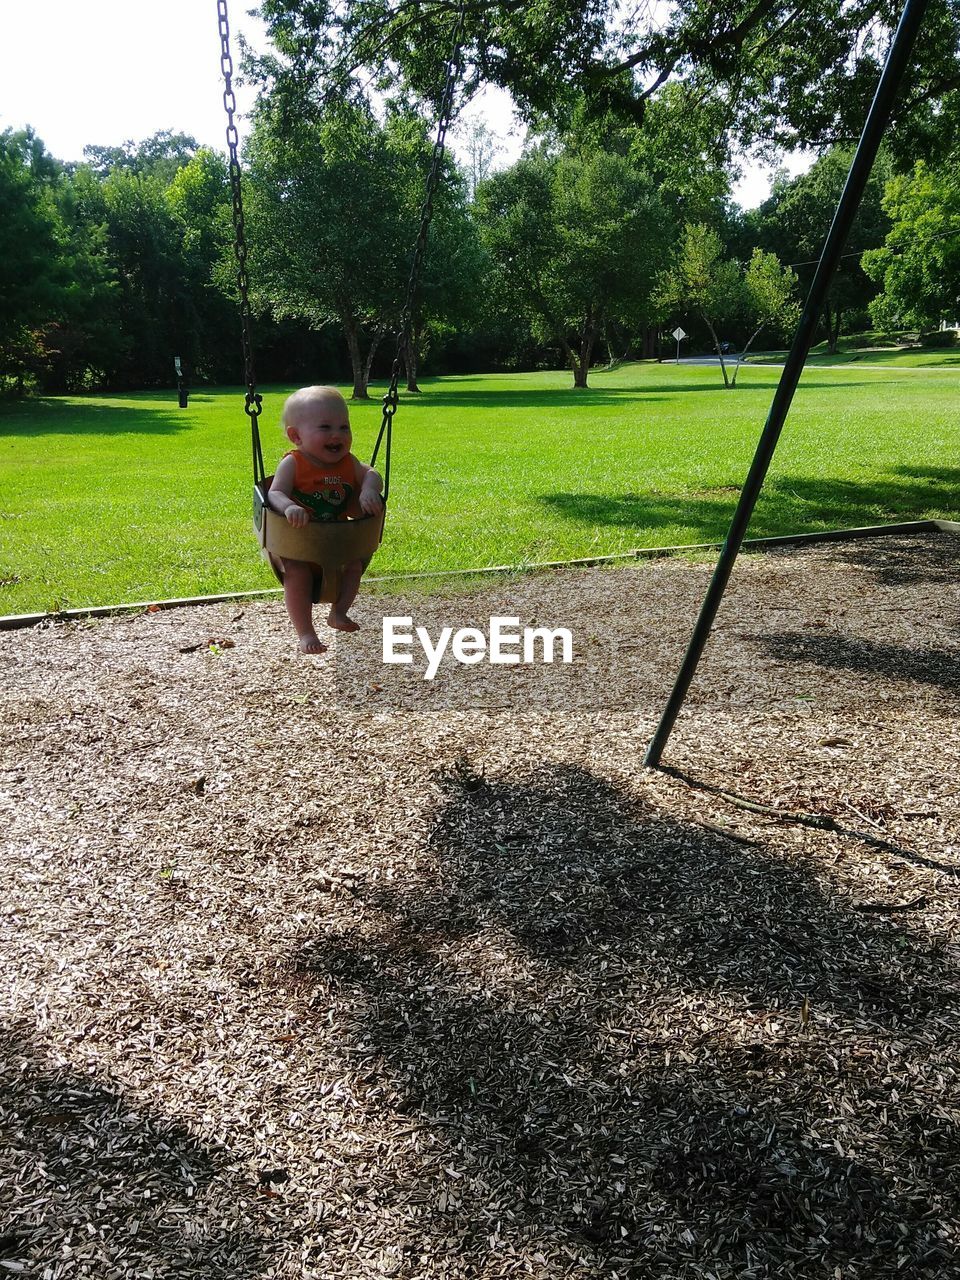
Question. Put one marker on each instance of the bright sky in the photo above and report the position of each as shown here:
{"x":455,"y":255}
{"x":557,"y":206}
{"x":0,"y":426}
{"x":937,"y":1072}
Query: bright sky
{"x":104,"y":71}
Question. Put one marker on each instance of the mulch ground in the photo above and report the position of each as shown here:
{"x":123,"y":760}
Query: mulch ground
{"x":308,"y":974}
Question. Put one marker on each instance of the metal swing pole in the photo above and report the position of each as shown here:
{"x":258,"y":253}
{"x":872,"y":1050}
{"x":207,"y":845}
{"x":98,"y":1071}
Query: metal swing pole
{"x":873,"y":131}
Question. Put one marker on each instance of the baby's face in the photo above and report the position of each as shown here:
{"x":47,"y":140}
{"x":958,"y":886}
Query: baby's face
{"x":322,"y":428}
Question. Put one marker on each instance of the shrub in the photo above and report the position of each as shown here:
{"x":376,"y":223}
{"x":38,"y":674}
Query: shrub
{"x":939,"y":338}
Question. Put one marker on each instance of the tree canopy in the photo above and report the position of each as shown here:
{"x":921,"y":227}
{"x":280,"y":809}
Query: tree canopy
{"x":578,"y":240}
{"x":334,"y":210}
{"x":919,"y":264}
{"x":779,"y":72}
{"x":794,"y":221}
{"x":29,"y":229}
{"x":55,"y":284}
{"x":637,"y":115}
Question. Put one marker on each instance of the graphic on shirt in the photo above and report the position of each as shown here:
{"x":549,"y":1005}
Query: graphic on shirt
{"x":327,"y":501}
{"x":328,"y":492}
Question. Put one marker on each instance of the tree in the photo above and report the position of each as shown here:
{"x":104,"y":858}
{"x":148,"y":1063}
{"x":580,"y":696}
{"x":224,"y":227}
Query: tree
{"x":577,"y":240}
{"x":683,"y":150}
{"x":198,"y":202}
{"x":704,"y":282}
{"x":795,"y":220}
{"x":159,"y":208}
{"x":684,"y":147}
{"x":768,"y":300}
{"x":453,"y":278}
{"x":163,"y":154}
{"x":334,"y":211}
{"x":919,"y":264}
{"x":55,"y":281}
{"x":86,"y":338}
{"x":481,"y":147}
{"x":318,"y":225}
{"x":29,"y":252}
{"x":109,"y":270}
{"x":792,"y":73}
{"x":143,"y":242}
{"x":453,"y":265}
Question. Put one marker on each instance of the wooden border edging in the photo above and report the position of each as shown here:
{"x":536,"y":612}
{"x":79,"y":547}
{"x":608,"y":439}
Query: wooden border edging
{"x":16,"y":621}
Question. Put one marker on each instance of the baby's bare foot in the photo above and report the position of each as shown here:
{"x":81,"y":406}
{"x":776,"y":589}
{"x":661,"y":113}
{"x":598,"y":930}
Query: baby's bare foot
{"x":340,"y":621}
{"x":312,"y":644}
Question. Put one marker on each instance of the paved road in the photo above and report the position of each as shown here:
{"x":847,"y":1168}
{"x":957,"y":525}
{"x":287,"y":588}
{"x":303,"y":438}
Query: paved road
{"x":714,"y":360}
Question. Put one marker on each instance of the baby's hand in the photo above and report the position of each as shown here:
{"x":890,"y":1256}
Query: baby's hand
{"x":371,"y":504}
{"x":297,"y":516}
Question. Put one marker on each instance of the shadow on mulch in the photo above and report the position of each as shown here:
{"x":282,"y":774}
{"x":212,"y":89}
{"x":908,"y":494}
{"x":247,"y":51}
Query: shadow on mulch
{"x":870,"y":658}
{"x":89,"y":1158}
{"x":931,"y":558}
{"x":591,"y":1099}
{"x":823,"y":820}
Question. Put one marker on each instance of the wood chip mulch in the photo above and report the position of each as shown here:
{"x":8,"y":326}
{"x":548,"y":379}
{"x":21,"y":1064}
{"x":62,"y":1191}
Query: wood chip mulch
{"x":299,"y":982}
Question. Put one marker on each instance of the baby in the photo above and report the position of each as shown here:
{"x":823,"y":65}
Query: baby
{"x":320,"y":479}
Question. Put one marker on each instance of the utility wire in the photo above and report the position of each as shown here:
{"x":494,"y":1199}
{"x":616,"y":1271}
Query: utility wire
{"x":858,"y":253}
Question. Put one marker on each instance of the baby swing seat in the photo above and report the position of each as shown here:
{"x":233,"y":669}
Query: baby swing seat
{"x":329,"y":545}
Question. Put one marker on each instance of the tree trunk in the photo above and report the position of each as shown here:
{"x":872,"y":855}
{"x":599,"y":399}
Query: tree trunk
{"x":588,"y":336}
{"x":650,"y":343}
{"x":611,"y":358}
{"x":716,"y":344}
{"x":360,"y":364}
{"x":835,"y":336}
{"x":613,"y":341}
{"x":55,"y":381}
{"x":410,"y":359}
{"x":361,"y":372}
{"x":576,"y":364}
{"x":832,"y":321}
{"x":746,"y":347}
{"x":368,"y":363}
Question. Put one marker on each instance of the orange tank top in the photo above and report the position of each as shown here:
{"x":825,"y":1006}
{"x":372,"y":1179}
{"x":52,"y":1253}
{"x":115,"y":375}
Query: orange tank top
{"x":328,"y":492}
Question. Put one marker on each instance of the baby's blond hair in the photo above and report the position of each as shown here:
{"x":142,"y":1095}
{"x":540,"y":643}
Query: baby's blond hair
{"x":305,"y":396}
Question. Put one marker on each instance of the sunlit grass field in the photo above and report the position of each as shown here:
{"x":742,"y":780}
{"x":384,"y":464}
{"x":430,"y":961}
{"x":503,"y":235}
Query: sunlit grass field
{"x":107,"y":499}
{"x":893,"y":357}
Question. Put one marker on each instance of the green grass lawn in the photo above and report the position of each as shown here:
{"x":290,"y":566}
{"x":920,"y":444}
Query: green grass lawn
{"x":855,"y":350}
{"x":108,"y":499}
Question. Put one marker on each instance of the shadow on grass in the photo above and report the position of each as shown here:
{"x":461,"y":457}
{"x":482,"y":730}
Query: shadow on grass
{"x":787,"y":504}
{"x":550,"y":1002}
{"x":58,"y":417}
{"x":590,"y":397}
{"x":120,"y":1184}
{"x":535,"y":398}
{"x":935,"y":475}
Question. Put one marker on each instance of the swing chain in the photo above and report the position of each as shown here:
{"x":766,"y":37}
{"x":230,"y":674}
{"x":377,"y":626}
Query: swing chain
{"x":253,"y":404}
{"x":391,"y":399}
